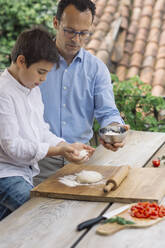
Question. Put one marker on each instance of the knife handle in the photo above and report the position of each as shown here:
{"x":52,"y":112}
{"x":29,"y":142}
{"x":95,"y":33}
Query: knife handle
{"x":89,"y":223}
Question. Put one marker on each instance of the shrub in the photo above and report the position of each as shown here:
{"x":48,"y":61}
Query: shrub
{"x":137,"y":106}
{"x":17,"y":16}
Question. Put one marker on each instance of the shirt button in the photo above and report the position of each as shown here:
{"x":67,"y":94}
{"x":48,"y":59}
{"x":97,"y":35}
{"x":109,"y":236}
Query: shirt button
{"x":66,"y":70}
{"x":64,"y":123}
{"x":64,"y":87}
{"x":64,"y":105}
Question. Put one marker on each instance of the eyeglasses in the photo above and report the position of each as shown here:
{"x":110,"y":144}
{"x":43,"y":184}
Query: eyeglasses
{"x":70,"y":34}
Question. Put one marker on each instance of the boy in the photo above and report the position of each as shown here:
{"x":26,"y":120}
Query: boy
{"x":24,"y":136}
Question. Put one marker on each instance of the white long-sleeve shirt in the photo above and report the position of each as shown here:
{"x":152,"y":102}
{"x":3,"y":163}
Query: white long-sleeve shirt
{"x":24,"y":136}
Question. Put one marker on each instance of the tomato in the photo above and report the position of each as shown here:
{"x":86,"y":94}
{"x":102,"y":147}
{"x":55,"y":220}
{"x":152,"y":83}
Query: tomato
{"x":154,"y":217}
{"x":156,"y":163}
{"x":147,"y":210}
{"x":161,"y":214}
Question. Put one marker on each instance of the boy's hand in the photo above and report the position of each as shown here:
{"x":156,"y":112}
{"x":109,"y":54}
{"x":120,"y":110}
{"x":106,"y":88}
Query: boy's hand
{"x":79,"y":146}
{"x":72,"y":152}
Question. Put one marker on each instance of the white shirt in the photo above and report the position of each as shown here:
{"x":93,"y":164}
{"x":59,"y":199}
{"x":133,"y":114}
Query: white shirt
{"x":24,"y":136}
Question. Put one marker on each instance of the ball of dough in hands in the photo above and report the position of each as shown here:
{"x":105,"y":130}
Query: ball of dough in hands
{"x":86,"y":176}
{"x":83,"y":153}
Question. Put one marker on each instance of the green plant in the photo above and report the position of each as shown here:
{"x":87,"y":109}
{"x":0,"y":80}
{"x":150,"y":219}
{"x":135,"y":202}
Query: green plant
{"x":17,"y":16}
{"x":136,"y":104}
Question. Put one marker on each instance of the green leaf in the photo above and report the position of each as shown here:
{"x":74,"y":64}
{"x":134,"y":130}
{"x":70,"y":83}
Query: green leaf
{"x":138,"y":107}
{"x":119,"y":220}
{"x":17,"y":16}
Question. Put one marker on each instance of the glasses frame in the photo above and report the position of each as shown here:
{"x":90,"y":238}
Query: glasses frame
{"x":73,"y":33}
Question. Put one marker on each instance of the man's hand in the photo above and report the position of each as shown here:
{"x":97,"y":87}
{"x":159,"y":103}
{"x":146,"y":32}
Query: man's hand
{"x":114,"y":147}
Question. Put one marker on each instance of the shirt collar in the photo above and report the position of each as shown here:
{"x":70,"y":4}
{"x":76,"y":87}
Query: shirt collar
{"x":24,"y":89}
{"x":79,"y":56}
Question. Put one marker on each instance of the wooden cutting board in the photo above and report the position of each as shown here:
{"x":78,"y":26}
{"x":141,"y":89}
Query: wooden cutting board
{"x":110,"y":228}
{"x":141,"y":184}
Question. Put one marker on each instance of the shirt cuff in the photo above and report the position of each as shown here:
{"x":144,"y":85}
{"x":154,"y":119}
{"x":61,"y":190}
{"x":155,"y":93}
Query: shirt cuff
{"x":58,"y":140}
{"x":110,"y":121}
{"x":41,"y":153}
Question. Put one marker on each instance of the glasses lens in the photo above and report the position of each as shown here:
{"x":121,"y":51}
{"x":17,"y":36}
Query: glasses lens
{"x":84,"y":35}
{"x":70,"y":34}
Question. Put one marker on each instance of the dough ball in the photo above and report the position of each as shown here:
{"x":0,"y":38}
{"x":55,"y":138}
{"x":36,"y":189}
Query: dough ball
{"x":86,"y":176}
{"x":83,"y":153}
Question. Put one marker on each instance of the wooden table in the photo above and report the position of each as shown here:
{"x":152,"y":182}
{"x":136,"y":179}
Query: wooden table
{"x":51,"y":223}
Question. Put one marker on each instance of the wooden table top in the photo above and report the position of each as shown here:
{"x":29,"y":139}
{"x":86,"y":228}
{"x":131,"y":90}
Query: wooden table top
{"x":51,"y":223}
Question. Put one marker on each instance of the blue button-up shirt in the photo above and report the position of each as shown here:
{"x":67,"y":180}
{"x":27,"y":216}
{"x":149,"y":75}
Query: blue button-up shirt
{"x":73,"y":95}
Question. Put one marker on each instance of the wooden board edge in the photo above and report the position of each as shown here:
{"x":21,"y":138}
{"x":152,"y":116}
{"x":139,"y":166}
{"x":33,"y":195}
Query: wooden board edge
{"x":34,"y":193}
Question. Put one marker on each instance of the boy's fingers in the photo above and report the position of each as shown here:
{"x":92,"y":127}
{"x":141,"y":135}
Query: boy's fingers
{"x":76,"y":158}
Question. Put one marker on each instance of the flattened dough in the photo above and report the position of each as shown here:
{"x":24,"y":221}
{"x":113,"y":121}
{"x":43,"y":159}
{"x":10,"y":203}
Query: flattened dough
{"x":86,"y":176}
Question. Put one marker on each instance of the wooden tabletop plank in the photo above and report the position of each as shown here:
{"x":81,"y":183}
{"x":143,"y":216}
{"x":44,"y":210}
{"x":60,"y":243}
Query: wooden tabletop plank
{"x":134,"y":237}
{"x":139,"y":148}
{"x":48,"y":223}
{"x":158,"y":155}
{"x":137,"y":238}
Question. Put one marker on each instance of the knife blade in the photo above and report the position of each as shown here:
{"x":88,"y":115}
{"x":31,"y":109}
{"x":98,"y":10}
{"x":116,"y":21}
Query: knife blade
{"x":92,"y":222}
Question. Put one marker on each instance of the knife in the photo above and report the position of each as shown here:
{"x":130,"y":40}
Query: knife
{"x":92,"y":222}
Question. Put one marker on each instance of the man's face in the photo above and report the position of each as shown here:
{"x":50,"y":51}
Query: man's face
{"x":35,"y":74}
{"x":72,"y":20}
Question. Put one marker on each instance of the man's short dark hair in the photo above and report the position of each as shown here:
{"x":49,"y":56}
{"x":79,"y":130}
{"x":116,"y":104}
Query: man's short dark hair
{"x":35,"y":44}
{"x":81,"y":5}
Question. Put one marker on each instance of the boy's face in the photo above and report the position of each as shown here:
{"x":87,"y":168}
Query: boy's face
{"x":35,"y":74}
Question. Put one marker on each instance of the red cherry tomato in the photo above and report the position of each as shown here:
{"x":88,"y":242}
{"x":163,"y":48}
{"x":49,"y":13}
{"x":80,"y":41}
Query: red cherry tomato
{"x":147,"y":210}
{"x":156,"y":163}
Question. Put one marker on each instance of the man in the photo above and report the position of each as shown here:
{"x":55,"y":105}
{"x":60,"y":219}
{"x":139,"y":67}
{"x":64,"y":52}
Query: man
{"x":80,"y":89}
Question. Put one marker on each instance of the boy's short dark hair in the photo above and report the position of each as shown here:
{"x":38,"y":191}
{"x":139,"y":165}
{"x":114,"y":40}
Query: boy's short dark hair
{"x":81,"y":5}
{"x":35,"y":44}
